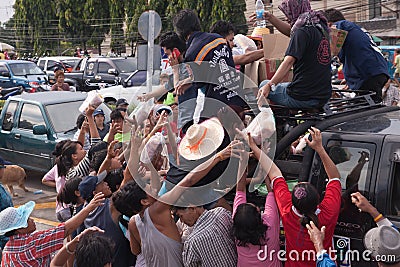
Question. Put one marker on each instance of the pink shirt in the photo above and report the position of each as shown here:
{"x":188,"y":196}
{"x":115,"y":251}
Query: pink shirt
{"x":53,"y":176}
{"x":250,"y":256}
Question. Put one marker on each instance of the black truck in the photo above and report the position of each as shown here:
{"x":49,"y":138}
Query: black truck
{"x":363,"y":139}
{"x":95,"y":73}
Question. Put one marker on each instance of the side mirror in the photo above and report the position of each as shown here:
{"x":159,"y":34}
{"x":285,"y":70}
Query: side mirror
{"x":39,"y":129}
{"x":5,"y":74}
{"x":113,"y":71}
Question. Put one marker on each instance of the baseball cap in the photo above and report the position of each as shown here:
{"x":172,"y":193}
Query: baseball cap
{"x":3,"y":162}
{"x":122,"y":101}
{"x":15,"y":218}
{"x":98,"y":111}
{"x":89,"y":183}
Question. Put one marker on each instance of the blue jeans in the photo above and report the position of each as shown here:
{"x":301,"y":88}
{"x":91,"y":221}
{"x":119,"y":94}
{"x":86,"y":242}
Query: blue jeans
{"x":280,"y":97}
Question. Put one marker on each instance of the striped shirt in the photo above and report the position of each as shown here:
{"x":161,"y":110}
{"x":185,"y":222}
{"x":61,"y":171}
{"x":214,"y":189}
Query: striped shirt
{"x":33,"y":250}
{"x":83,"y":168}
{"x":211,"y":243}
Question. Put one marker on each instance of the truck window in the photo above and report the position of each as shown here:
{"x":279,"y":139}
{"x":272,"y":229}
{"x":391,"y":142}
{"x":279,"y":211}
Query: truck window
{"x":41,"y":64}
{"x":395,"y":196}
{"x":30,"y":116}
{"x":3,"y":68}
{"x":352,"y":163}
{"x":104,"y":67}
{"x":90,"y":69}
{"x":8,"y":120}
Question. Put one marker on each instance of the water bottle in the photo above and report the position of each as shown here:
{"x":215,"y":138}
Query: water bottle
{"x":260,"y":14}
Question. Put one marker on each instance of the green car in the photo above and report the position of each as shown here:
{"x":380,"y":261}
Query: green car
{"x":32,"y":124}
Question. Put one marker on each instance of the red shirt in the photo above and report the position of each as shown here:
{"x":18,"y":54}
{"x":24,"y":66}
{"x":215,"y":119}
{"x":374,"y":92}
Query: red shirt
{"x":33,"y":250}
{"x":297,"y":238}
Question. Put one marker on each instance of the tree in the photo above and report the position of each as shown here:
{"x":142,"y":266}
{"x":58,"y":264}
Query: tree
{"x":95,"y":14}
{"x":36,"y":25}
{"x":71,"y":14}
{"x":117,"y":15}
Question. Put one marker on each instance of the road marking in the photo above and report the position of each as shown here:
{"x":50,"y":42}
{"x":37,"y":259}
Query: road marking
{"x":46,"y":205}
{"x":41,"y":206}
{"x":44,"y":221}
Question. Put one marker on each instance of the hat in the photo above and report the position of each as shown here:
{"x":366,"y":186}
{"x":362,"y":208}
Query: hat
{"x":89,"y":183}
{"x":122,"y":101}
{"x":258,"y":33}
{"x":160,"y":109}
{"x":202,"y":139}
{"x":383,"y":240}
{"x":3,"y":162}
{"x":15,"y":218}
{"x":98,"y":111}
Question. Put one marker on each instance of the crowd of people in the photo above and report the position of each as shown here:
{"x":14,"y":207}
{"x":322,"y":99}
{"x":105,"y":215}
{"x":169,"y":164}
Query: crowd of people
{"x":146,"y":189}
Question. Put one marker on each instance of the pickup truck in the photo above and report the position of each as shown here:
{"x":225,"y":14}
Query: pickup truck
{"x":363,"y":139}
{"x":94,"y":73}
{"x":32,"y":124}
{"x":23,"y":74}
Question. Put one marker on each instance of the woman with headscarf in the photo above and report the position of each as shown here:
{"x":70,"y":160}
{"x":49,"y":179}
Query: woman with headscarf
{"x":309,"y":55}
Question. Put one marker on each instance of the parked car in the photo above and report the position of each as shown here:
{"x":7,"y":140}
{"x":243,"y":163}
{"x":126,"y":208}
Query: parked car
{"x":49,"y":64}
{"x":130,"y":88}
{"x":32,"y":124}
{"x":101,"y":72}
{"x":22,"y":73}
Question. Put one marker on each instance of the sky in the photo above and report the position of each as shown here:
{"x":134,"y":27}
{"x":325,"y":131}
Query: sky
{"x":6,"y":10}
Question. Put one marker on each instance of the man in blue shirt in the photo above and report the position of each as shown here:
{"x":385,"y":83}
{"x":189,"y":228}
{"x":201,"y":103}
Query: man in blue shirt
{"x":5,"y":199}
{"x":364,"y":66}
{"x":211,"y":61}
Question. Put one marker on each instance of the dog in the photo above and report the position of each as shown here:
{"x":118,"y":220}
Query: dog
{"x":14,"y":175}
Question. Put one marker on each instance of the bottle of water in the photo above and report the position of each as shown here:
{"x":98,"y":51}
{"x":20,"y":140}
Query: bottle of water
{"x":260,"y":14}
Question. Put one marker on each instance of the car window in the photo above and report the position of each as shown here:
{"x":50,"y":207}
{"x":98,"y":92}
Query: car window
{"x":41,"y":64}
{"x":3,"y":68}
{"x":104,"y":67}
{"x":30,"y":115}
{"x":126,"y":65}
{"x":90,"y":68}
{"x":61,"y":123}
{"x":139,"y":78}
{"x":8,"y":120}
{"x":395,"y":188}
{"x":352,"y":163}
{"x":25,"y":68}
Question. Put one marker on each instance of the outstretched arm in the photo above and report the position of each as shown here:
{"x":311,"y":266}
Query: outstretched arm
{"x":316,"y":144}
{"x":363,"y":205}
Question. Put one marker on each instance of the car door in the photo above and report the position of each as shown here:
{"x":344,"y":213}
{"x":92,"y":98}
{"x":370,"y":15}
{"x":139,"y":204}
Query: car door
{"x":33,"y":148}
{"x":7,"y":134}
{"x":355,"y":157}
{"x":5,"y":80}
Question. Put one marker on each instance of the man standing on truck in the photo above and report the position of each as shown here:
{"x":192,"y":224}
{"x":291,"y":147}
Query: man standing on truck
{"x":364,"y":66}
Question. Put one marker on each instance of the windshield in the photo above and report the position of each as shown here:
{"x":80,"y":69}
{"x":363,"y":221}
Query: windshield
{"x":70,"y":63}
{"x":26,"y":68}
{"x":64,"y":123}
{"x":126,"y":65}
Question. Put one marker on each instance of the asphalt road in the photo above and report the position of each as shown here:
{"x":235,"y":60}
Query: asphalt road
{"x":44,"y":212}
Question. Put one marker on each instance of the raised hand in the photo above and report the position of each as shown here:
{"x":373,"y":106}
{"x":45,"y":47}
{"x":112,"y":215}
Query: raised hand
{"x":316,"y":142}
{"x":98,"y":200}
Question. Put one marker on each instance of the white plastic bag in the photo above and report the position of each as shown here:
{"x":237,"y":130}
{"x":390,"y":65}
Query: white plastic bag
{"x":262,"y":126}
{"x":93,"y":99}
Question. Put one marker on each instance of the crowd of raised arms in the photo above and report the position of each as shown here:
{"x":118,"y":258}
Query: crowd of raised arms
{"x":147,"y":189}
